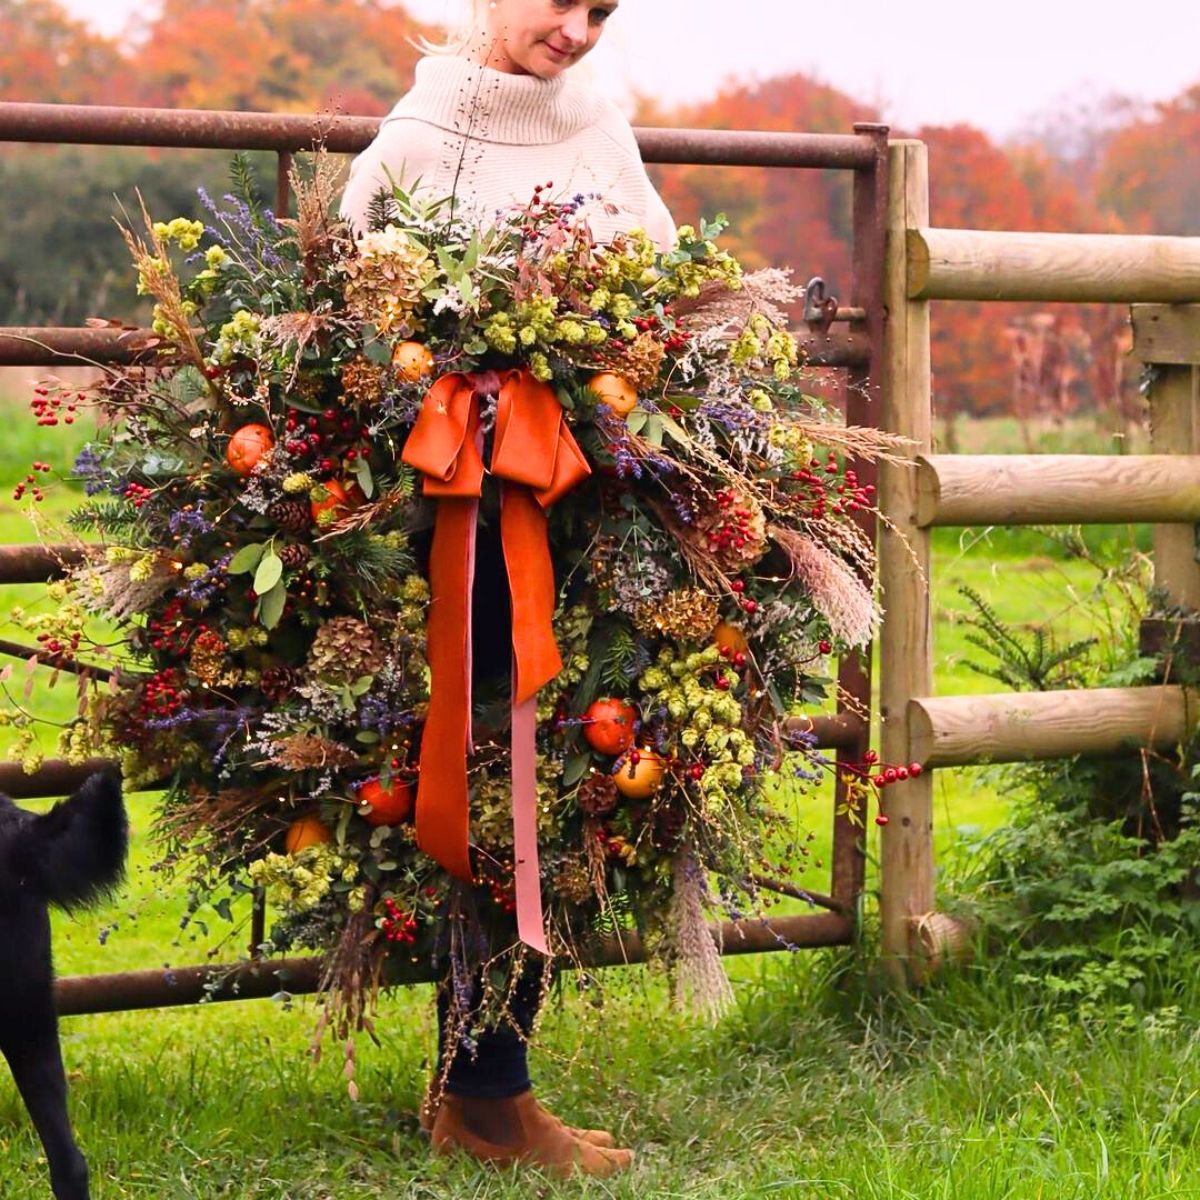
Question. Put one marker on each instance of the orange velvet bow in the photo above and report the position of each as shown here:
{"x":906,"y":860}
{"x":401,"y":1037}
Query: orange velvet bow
{"x":537,"y":461}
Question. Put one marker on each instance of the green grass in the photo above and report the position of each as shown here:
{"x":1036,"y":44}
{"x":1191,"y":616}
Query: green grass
{"x":816,"y":1086}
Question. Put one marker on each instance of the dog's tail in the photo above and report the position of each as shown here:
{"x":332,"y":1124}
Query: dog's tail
{"x":75,"y":854}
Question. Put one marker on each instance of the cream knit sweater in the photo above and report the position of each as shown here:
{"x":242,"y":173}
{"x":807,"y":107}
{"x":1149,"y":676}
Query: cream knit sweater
{"x":487,"y":138}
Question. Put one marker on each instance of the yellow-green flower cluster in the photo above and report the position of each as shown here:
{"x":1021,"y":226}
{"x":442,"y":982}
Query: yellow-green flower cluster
{"x":762,"y":342}
{"x":239,"y":338}
{"x":414,"y":603}
{"x":24,"y":747}
{"x":632,"y":263}
{"x":491,"y":807}
{"x":208,"y":280}
{"x":297,"y":883}
{"x":252,"y":635}
{"x":298,"y":482}
{"x":85,"y":738}
{"x":687,"y":272}
{"x":571,"y":629}
{"x":66,"y":617}
{"x":709,"y":719}
{"x":184,"y":233}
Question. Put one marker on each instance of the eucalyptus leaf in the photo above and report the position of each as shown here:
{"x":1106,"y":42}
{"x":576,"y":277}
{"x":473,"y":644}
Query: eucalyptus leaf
{"x":270,"y":606}
{"x":675,"y":430}
{"x":366,"y":481}
{"x":269,"y":572}
{"x":576,"y":768}
{"x":377,"y":353}
{"x":653,"y":431}
{"x":636,"y":420}
{"x":247,"y":558}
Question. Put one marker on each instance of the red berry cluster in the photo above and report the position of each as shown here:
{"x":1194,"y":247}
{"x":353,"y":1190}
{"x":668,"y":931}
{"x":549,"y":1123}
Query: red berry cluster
{"x":673,"y":339}
{"x":170,"y":632}
{"x":885,"y":775}
{"x":31,"y":478}
{"x":733,"y":524}
{"x":48,"y":402}
{"x":57,"y":647}
{"x":738,"y":587}
{"x":829,"y":495}
{"x":398,"y":926}
{"x":161,"y":696}
{"x":739,"y":658}
{"x":311,"y":435}
{"x":137,"y":494}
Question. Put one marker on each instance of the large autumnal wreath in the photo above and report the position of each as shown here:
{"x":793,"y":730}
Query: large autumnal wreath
{"x":330,"y":427}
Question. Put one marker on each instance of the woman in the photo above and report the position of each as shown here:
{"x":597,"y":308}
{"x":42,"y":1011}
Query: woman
{"x":491,"y":118}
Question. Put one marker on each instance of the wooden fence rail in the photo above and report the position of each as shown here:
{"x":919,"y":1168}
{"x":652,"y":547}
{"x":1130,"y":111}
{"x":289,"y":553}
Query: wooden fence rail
{"x":968,"y":264}
{"x":1056,"y":489}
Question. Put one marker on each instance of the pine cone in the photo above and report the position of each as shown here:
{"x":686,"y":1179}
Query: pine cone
{"x":597,"y":795}
{"x":294,"y":516}
{"x":294,"y":555}
{"x":278,"y":683}
{"x":345,"y":649}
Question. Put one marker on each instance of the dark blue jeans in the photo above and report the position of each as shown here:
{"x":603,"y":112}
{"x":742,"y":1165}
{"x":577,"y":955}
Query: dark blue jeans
{"x":494,"y":1064}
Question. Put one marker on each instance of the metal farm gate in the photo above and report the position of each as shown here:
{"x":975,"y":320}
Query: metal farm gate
{"x":849,"y":338}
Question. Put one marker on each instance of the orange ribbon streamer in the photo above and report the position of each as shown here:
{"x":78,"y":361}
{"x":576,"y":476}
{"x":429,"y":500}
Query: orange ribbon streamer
{"x":538,"y":462}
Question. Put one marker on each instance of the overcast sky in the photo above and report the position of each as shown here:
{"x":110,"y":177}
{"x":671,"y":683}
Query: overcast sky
{"x":994,"y":64}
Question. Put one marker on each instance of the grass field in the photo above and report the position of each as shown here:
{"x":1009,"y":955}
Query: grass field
{"x":818,"y":1086}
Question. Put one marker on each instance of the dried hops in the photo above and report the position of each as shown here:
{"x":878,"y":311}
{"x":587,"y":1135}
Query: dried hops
{"x":344,"y":650}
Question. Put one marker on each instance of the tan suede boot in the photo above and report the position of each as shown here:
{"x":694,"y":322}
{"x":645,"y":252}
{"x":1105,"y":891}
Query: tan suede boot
{"x":519,"y":1130}
{"x":427,"y":1114}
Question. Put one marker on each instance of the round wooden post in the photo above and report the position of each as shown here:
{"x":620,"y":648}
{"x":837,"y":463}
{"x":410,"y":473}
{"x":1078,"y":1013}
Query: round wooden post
{"x":906,"y":639}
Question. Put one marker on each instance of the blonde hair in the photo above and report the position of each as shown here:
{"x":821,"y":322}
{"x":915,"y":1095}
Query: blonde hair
{"x":461,"y":31}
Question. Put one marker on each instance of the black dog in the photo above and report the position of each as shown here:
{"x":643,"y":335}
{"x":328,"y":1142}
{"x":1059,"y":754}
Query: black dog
{"x":69,"y":857}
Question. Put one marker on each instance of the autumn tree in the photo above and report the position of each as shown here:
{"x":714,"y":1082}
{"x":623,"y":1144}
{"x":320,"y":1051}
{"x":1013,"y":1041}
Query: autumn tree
{"x":352,"y":56}
{"x":1150,"y":174}
{"x":796,"y":218}
{"x":48,"y":56}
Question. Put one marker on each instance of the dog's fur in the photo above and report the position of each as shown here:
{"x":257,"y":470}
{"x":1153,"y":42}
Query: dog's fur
{"x":70,"y":857}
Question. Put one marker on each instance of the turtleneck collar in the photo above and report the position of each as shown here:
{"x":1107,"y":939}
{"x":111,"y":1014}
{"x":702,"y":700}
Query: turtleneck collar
{"x":493,"y":106}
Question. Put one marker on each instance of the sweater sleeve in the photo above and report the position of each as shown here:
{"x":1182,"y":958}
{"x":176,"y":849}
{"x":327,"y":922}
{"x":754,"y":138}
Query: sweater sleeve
{"x":404,"y":151}
{"x":650,"y":212}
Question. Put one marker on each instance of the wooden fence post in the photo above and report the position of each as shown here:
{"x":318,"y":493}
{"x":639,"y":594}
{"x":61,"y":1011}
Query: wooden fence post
{"x":906,"y":639}
{"x":1166,"y":337}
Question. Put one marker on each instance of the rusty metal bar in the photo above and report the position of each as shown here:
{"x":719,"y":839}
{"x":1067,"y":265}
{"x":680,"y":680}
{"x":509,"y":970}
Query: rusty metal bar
{"x":785,"y":888}
{"x":57,"y":662}
{"x":54,"y":778}
{"x":66,"y":346}
{"x":36,"y":564}
{"x":167,"y":987}
{"x":848,"y":869}
{"x":202,"y":129}
{"x":25,"y":346}
{"x":57,"y":778}
{"x":283,"y":187}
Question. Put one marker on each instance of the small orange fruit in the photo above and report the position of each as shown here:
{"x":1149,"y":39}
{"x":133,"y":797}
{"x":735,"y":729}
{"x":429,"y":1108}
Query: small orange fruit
{"x":608,"y":726}
{"x":305,"y":832}
{"x":247,"y":447}
{"x":730,"y":638}
{"x":641,"y":779}
{"x":340,"y":499}
{"x":614,"y":390}
{"x":413,"y":360}
{"x":385,"y":806}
